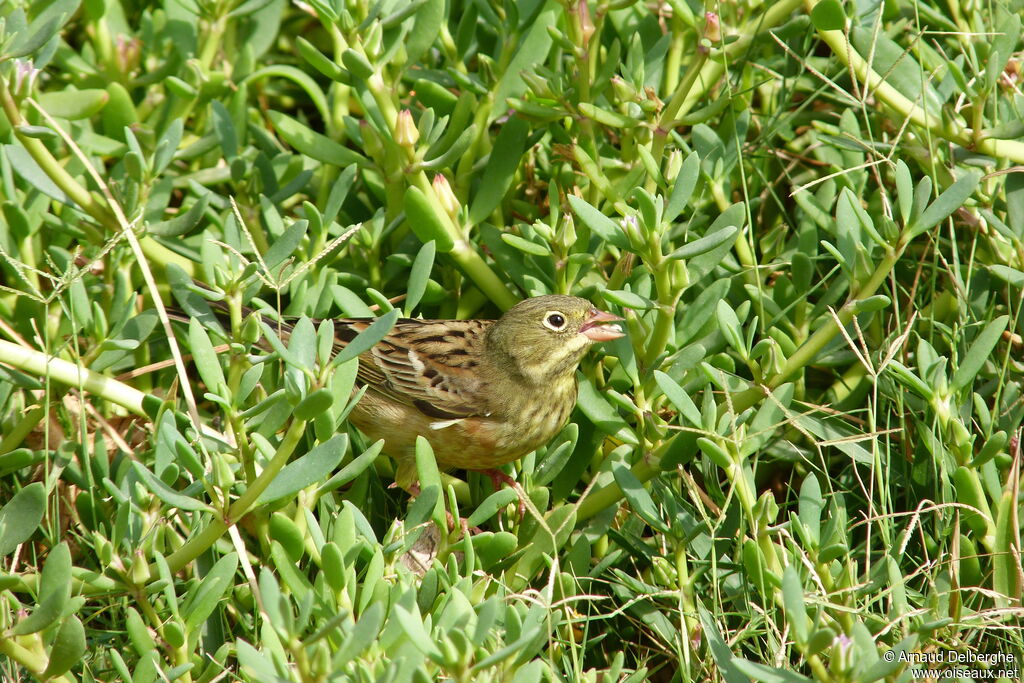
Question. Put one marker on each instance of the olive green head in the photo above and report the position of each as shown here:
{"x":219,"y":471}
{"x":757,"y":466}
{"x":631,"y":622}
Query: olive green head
{"x":543,"y":338}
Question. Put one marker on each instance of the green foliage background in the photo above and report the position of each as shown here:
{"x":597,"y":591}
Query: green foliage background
{"x":802,"y":463}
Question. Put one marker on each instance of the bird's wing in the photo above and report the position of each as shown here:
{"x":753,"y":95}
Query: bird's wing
{"x":432,"y":365}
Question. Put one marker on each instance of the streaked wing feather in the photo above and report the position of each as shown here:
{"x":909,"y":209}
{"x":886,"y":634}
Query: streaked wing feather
{"x":428,"y":364}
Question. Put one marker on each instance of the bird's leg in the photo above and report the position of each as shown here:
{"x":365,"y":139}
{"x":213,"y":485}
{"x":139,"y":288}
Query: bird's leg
{"x":499,"y":478}
{"x":406,"y":477}
{"x":412,"y":489}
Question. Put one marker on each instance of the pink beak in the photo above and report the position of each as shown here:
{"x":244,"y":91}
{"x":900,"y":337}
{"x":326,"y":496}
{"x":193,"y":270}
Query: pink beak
{"x":595,"y":329}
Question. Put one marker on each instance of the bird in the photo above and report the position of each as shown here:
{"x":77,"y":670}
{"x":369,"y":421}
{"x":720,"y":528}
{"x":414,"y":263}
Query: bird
{"x":483,"y":393}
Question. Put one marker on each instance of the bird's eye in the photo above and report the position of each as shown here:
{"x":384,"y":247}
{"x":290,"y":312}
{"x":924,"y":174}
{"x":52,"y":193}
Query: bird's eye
{"x":553,"y":320}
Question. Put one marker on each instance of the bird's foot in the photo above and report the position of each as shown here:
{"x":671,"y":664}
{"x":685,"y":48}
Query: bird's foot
{"x":463,"y":524}
{"x":413,"y":489}
{"x":499,"y":478}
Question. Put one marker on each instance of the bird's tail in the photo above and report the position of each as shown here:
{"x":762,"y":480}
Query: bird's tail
{"x":217,"y":316}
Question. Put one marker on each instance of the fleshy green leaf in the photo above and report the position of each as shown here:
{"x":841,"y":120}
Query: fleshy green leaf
{"x":679,"y":398}
{"x":500,"y":169}
{"x":312,"y":467}
{"x":54,"y":592}
{"x":705,"y":244}
{"x":828,"y":15}
{"x":313,"y":144}
{"x":639,"y":498}
{"x":427,"y":219}
{"x":793,"y":602}
{"x":205,"y":358}
{"x":979,"y":352}
{"x":20,"y":516}
{"x":377,"y":330}
{"x":599,"y":224}
{"x":73,"y":104}
{"x":184,"y":223}
{"x":946,"y":203}
{"x":491,"y":505}
{"x":204,"y":597}
{"x":166,"y":494}
{"x":419,"y":274}
{"x":67,"y":647}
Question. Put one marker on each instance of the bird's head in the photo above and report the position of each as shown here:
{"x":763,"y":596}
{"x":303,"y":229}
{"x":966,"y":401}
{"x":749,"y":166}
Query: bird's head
{"x":545,"y":337}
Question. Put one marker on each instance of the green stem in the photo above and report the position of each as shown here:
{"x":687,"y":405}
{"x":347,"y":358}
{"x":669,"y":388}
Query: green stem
{"x":212,"y":42}
{"x":236,"y":370}
{"x":687,"y":605}
{"x":382,"y":96}
{"x":818,"y":666}
{"x":470,"y":261}
{"x":51,"y":167}
{"x":810,"y":349}
{"x":668,"y":298}
{"x":42,"y":365}
{"x":33,"y":661}
{"x":578,"y":37}
{"x":22,"y":429}
{"x":707,"y":72}
{"x":941,"y":126}
{"x":645,"y":469}
{"x":667,"y":120}
{"x":674,"y":59}
{"x":83,"y":582}
{"x":464,"y":174}
{"x":155,"y":251}
{"x":198,"y":544}
{"x":463,"y":253}
{"x":648,"y":467}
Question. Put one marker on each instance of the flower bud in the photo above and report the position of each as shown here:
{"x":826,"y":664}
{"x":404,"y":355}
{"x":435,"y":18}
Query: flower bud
{"x":140,"y":573}
{"x":567,"y":234}
{"x":631,"y":226}
{"x":586,"y":21}
{"x":842,"y":653}
{"x":712,"y":28}
{"x":128,"y":55}
{"x":673,"y":163}
{"x":406,"y":132}
{"x":24,"y":77}
{"x":251,"y":330}
{"x":537,"y":84}
{"x":445,"y":197}
{"x":372,"y":144}
{"x":373,"y":40}
{"x":624,"y":92}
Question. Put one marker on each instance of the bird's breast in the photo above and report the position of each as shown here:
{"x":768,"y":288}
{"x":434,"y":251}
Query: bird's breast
{"x":523,"y":422}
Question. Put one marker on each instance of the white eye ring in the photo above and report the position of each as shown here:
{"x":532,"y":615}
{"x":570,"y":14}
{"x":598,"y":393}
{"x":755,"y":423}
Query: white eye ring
{"x":554,"y":320}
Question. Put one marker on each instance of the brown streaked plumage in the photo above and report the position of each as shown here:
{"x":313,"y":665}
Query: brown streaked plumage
{"x":482,"y":392}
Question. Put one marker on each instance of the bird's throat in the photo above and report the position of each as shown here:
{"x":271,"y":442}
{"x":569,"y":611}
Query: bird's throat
{"x":548,"y":370}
